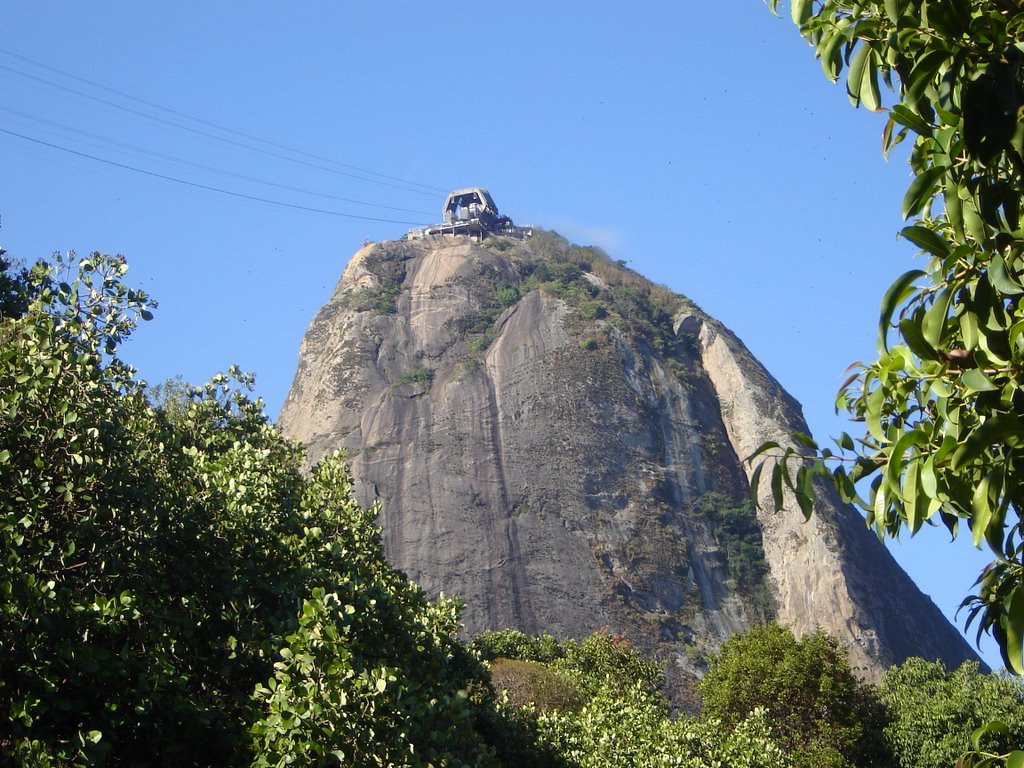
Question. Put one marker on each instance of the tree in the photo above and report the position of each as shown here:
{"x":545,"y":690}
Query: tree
{"x":13,"y":287}
{"x":942,"y":405}
{"x":596,"y":703}
{"x":932,"y":712}
{"x":817,"y":709}
{"x":175,"y":591}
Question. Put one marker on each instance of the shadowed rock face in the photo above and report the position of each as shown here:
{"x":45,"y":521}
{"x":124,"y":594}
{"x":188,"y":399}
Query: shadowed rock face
{"x":557,"y":441}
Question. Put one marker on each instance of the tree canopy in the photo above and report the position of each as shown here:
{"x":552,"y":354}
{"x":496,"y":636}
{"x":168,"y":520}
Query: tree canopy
{"x":933,"y":713}
{"x":175,"y":591}
{"x":942,"y":405}
{"x":818,"y":710}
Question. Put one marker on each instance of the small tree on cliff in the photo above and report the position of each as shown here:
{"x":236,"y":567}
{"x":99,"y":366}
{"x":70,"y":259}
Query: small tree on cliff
{"x":943,"y":404}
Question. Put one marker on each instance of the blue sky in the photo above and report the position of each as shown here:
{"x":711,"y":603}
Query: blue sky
{"x":699,"y":142}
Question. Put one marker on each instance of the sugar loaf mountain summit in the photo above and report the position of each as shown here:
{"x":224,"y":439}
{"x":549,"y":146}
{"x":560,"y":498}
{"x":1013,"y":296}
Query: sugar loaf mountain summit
{"x":560,"y":442}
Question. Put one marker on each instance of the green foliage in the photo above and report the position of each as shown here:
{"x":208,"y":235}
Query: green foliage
{"x":418,"y":376}
{"x":506,"y":295}
{"x":175,"y":591}
{"x":598,"y":660}
{"x":14,"y":286}
{"x":627,"y":300}
{"x":630,"y":728}
{"x":738,"y":534}
{"x":818,"y":710}
{"x":941,"y":405}
{"x":513,"y":644}
{"x":386,"y":262}
{"x":600,"y":706}
{"x":380,"y":299}
{"x":933,"y":713}
{"x":608,"y":661}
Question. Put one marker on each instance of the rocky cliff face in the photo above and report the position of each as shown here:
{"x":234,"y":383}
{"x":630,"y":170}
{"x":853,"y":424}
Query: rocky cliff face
{"x":559,"y":442}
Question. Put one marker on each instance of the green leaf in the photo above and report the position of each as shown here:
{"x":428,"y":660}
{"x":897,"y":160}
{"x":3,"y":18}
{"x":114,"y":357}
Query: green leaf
{"x":934,"y":322}
{"x":995,"y":726}
{"x":830,"y":54}
{"x":976,"y":381}
{"x":855,"y":77}
{"x":869,"y":91}
{"x":767,"y":445}
{"x":805,"y":440}
{"x":896,"y":295}
{"x":904,"y":116}
{"x":892,"y":10}
{"x":923,"y":73}
{"x":911,"y":495}
{"x":898,"y":458}
{"x":805,"y":492}
{"x":777,"y":471}
{"x":915,"y":339}
{"x":922,"y":190}
{"x":878,"y":509}
{"x":1015,"y":759}
{"x":800,"y":10}
{"x":1001,"y":279}
{"x":926,"y":240}
{"x":1013,"y":624}
{"x":1004,"y":428}
{"x":969,"y":330}
{"x":928,"y":481}
{"x":981,"y":511}
{"x":755,"y":483}
{"x":873,"y":414}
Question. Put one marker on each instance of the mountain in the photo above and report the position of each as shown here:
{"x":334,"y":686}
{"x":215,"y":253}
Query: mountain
{"x":560,"y":442}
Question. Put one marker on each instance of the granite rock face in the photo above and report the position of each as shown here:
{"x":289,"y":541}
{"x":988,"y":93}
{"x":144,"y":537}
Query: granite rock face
{"x":559,"y":443}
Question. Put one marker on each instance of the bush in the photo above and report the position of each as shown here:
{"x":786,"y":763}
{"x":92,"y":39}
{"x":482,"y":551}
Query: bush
{"x":820,"y":713}
{"x":934,"y":712}
{"x":513,"y":644}
{"x":631,"y":728}
{"x":539,"y":686}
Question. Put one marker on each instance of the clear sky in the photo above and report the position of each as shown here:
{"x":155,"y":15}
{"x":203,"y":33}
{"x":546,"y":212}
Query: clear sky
{"x":239,"y":153}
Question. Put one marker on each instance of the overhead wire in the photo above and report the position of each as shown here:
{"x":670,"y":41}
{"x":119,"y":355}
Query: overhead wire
{"x":163,"y":108}
{"x":387,"y":181}
{"x":207,"y":187}
{"x":202,"y":166}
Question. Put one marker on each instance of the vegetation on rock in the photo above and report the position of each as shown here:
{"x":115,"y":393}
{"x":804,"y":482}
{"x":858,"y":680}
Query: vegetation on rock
{"x":739,"y":534}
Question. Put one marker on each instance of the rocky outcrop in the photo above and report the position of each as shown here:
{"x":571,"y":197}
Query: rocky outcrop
{"x":559,"y":443}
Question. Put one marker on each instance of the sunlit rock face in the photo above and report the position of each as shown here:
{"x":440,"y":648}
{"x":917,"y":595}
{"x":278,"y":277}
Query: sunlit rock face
{"x":558,"y":442}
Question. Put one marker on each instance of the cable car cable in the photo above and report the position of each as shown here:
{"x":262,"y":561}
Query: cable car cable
{"x":208,"y":135}
{"x":209,"y":123}
{"x":204,"y":167}
{"x":207,"y":187}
